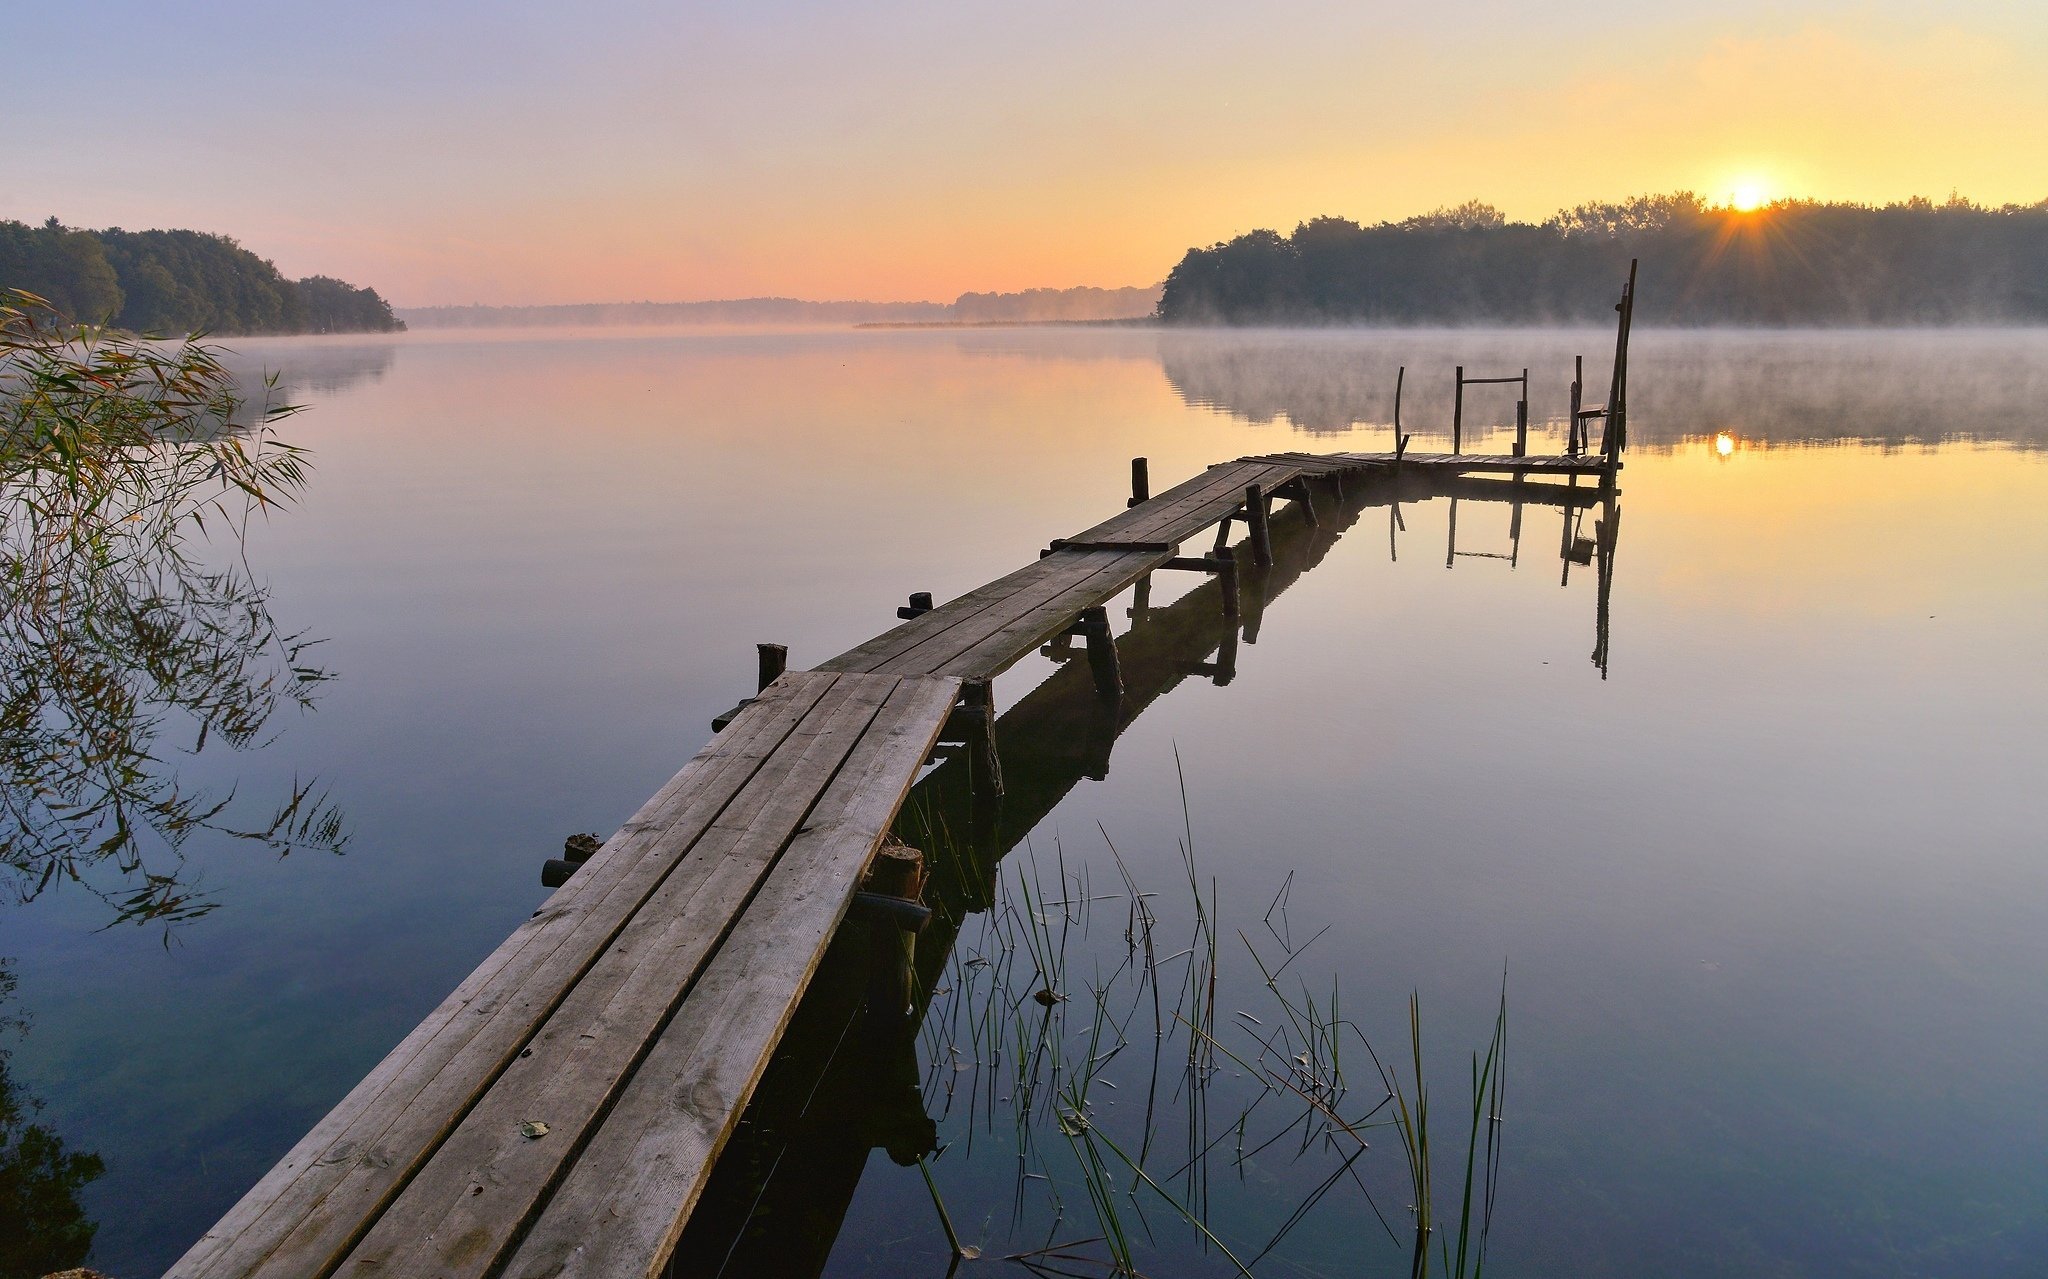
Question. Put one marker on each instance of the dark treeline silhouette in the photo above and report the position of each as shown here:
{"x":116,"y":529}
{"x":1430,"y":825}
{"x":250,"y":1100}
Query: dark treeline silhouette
{"x":177,"y":282}
{"x":1794,"y":262}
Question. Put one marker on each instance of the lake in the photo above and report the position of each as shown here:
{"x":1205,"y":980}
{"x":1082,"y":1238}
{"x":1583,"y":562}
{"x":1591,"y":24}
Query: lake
{"x":1767,"y":880}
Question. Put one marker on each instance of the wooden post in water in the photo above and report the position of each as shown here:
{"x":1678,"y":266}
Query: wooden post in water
{"x":1574,"y":437}
{"x":985,"y":774}
{"x":1522,"y":427}
{"x":1399,"y":377}
{"x":1451,"y":544}
{"x":1226,"y":579}
{"x":1458,"y":414}
{"x":1255,"y":520}
{"x":774,"y":661}
{"x":1102,"y":663}
{"x":1141,"y":481}
{"x":1615,"y":435}
{"x":896,"y":873}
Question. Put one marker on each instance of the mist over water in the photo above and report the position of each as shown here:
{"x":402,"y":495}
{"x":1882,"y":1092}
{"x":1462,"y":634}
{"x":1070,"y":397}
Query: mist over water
{"x":1802,"y":386}
{"x":1768,"y":894}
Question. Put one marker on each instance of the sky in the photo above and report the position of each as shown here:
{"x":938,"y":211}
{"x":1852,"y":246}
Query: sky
{"x":623,"y":150}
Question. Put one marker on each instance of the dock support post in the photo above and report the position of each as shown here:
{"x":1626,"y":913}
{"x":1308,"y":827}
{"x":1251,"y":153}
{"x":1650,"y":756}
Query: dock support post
{"x":1521,"y":428}
{"x":1255,"y":519}
{"x":774,"y":661}
{"x":897,"y":873}
{"x":1458,"y":415}
{"x":1102,"y":663}
{"x":1451,"y":542}
{"x":1303,"y":492}
{"x":1141,"y":598}
{"x":1226,"y":579}
{"x":1574,"y":439}
{"x":1141,"y":481}
{"x":985,"y":772}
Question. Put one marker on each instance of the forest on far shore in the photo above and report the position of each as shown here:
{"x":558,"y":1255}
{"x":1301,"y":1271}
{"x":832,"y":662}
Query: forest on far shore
{"x":178,"y":282}
{"x":1792,"y":262}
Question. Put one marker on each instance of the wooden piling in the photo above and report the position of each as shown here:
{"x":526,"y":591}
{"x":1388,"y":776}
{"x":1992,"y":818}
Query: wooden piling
{"x":1458,"y":415}
{"x":1522,"y":427}
{"x":1255,"y":520}
{"x":1400,"y":377}
{"x":774,"y":661}
{"x":1575,"y":432}
{"x":898,"y":873}
{"x":1102,"y":662}
{"x":1226,"y":579}
{"x":1141,"y":481}
{"x":986,"y":773}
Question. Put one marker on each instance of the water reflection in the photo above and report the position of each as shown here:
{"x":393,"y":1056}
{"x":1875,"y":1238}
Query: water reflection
{"x":311,"y":369}
{"x":1905,"y":387}
{"x":846,"y":1082}
{"x":43,"y":1227}
{"x":132,"y":631}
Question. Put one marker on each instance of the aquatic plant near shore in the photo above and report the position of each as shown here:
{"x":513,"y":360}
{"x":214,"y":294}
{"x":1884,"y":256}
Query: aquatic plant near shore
{"x":1036,"y":1030}
{"x":119,"y":460}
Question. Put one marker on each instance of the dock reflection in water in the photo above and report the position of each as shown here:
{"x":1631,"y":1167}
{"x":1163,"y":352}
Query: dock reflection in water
{"x":844,"y":1082}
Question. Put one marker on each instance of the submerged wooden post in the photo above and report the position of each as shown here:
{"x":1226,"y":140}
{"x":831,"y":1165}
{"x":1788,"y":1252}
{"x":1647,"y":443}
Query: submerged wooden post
{"x":896,"y":874}
{"x":1141,"y":481}
{"x":1102,"y":663}
{"x":1226,"y":579}
{"x":1451,"y":543}
{"x":1303,"y":493}
{"x":1255,"y":520}
{"x":985,"y":770}
{"x":1458,"y":415}
{"x":774,"y":661}
{"x":1226,"y":659}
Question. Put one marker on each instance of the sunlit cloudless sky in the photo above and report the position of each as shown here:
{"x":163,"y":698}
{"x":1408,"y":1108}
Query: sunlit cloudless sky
{"x":627,"y":149}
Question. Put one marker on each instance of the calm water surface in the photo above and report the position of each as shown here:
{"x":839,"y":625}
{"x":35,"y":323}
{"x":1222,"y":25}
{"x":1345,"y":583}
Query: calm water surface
{"x":1770,"y":890}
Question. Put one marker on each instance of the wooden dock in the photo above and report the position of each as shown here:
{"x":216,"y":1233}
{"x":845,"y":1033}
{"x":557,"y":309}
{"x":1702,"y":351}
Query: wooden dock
{"x":559,"y":1113}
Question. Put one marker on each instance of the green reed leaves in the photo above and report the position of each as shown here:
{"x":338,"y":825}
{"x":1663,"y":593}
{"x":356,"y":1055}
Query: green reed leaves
{"x":121,"y":646}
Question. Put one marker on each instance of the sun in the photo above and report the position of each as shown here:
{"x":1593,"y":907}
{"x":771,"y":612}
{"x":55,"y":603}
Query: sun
{"x":1749,"y":196}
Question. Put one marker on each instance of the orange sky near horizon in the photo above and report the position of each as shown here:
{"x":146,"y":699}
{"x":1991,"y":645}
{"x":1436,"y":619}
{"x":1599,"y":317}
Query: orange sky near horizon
{"x":913,"y":152}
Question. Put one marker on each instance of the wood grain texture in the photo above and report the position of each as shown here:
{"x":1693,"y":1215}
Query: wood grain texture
{"x":440,"y":1068}
{"x":487,"y":1177}
{"x":683,"y":1102}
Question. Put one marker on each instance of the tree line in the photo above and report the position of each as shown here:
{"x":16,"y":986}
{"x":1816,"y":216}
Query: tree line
{"x":178,"y":282}
{"x":1792,"y":262}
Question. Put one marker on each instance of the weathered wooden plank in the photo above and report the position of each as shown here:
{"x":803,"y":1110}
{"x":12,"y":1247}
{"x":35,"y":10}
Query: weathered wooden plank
{"x":871,"y":655}
{"x":448,"y":1059}
{"x":1274,"y":475}
{"x":1026,"y":631}
{"x":479,"y":1186}
{"x":1123,"y":526}
{"x":1190,"y":516}
{"x":1064,"y":570}
{"x":675,"y":1115}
